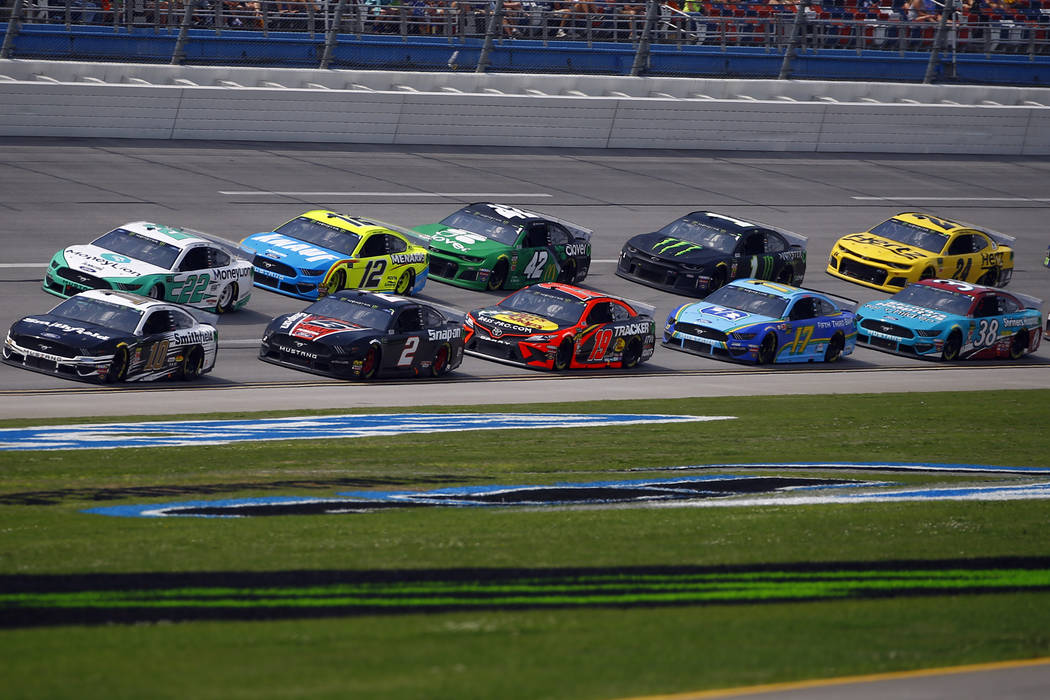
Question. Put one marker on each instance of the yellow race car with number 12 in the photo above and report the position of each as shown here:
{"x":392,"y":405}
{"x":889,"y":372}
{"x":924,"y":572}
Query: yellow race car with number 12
{"x":910,"y":247}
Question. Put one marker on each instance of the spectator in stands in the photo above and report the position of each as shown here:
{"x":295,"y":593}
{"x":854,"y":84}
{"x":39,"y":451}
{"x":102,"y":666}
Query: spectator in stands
{"x":922,"y":11}
{"x":573,"y":17}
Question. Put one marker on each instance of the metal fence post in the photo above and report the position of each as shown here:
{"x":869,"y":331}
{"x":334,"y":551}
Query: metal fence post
{"x":330,"y":37}
{"x":938,"y":41}
{"x":14,"y":25}
{"x":179,"y":55}
{"x":495,"y":25}
{"x":641,"y":56}
{"x":796,"y":31}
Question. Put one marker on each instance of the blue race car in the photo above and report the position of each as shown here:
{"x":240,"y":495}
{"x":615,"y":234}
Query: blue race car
{"x":951,"y":320}
{"x":757,"y":321}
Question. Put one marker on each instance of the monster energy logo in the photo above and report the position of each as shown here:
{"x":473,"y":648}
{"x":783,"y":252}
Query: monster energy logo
{"x":673,"y":244}
{"x":762,"y":266}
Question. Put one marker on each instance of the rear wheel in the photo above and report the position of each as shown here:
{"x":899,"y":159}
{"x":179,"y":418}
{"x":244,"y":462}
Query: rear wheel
{"x":834,"y":349}
{"x":785,"y":275}
{"x":192,"y":363}
{"x":718,"y":279}
{"x":498,"y":276}
{"x":1018,"y":345}
{"x":227,"y":298}
{"x":767,"y":351}
{"x":370,"y":365}
{"x":563,"y":358}
{"x":952,"y":346}
{"x":633,"y":352}
{"x":990,"y":278}
{"x":439,"y":365}
{"x":118,"y":366}
{"x":156,"y":292}
{"x":568,"y":272}
{"x":404,"y":283}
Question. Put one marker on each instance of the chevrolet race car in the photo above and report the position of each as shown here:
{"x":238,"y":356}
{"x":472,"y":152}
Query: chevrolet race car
{"x":758,"y":321}
{"x":321,"y":252}
{"x":558,"y":326}
{"x":163,"y":262}
{"x":360,"y":335}
{"x":910,"y":247}
{"x":108,"y":336}
{"x":701,"y":251}
{"x":496,"y":246}
{"x":952,"y":320}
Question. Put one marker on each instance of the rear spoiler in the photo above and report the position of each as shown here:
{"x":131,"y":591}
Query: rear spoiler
{"x":1029,"y":302}
{"x":233,"y":248}
{"x":640,"y":306}
{"x":844,"y":302}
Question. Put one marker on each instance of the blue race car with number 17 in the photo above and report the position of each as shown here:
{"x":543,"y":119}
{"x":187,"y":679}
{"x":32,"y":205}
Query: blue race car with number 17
{"x":763,"y":322}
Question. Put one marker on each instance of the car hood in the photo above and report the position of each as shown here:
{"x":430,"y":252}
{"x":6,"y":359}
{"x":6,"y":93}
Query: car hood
{"x":87,"y":336}
{"x":459,"y":242}
{"x":291,"y":251}
{"x":105,"y":263}
{"x":326,"y":330}
{"x":903,"y":314}
{"x":674,"y":249}
{"x":498,"y":322}
{"x":878,"y":248}
{"x":720,"y":317}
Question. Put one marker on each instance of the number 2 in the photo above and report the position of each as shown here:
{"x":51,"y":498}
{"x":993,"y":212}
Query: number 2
{"x":962,"y":268}
{"x":411,"y":345}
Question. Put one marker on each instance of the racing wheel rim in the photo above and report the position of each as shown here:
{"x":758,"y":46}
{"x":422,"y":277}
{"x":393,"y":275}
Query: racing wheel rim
{"x":498,"y":276}
{"x":404,"y":283}
{"x":767,"y":350}
{"x":439,"y":365}
{"x":564,"y":356}
{"x":118,"y":366}
{"x":952,"y":346}
{"x":226,"y":298}
{"x":370,"y":365}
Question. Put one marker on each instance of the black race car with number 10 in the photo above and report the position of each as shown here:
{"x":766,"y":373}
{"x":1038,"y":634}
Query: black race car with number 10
{"x":360,"y":335}
{"x":702,"y":251}
{"x":558,"y":326}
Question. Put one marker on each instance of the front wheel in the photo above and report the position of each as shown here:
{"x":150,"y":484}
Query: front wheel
{"x":927,"y":274}
{"x":192,"y":364}
{"x":952,"y":346}
{"x":834,"y":349}
{"x":118,"y":366}
{"x":227,"y":298}
{"x":404,"y":283}
{"x":439,"y":365}
{"x":338,"y":281}
{"x":498,"y":276}
{"x":563,"y":358}
{"x":370,"y":365}
{"x":767,"y":351}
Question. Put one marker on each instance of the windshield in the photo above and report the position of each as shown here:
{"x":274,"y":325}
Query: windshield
{"x":139,"y":247}
{"x":99,"y":313}
{"x":750,"y":300}
{"x":321,"y":235}
{"x":557,"y":306}
{"x":483,"y":225}
{"x":352,"y":311}
{"x":690,"y":229}
{"x":912,"y":235}
{"x":934,"y":298}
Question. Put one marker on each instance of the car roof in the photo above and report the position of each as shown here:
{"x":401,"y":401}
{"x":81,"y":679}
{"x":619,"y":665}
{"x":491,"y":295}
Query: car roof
{"x":172,"y":235}
{"x":383,"y":301}
{"x":776,"y":289}
{"x":132,"y":301}
{"x":967,"y":288}
{"x":351,"y":224}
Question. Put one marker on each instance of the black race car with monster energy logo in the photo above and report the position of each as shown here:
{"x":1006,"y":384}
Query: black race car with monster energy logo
{"x":701,"y":251}
{"x":354,"y":334}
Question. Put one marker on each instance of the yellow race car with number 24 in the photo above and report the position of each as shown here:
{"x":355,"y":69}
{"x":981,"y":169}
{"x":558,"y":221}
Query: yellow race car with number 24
{"x":910,"y":247}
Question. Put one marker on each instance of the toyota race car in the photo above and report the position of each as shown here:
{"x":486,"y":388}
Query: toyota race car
{"x":701,"y":251}
{"x":359,"y":335}
{"x":952,"y":320}
{"x":496,"y":246}
{"x":322,"y":252}
{"x":163,"y":262}
{"x":759,"y":321}
{"x":910,"y":247}
{"x":107,"y":336}
{"x":558,"y":326}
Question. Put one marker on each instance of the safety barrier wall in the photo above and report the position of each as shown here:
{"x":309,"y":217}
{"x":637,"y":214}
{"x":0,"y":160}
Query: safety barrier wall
{"x":44,"y":98}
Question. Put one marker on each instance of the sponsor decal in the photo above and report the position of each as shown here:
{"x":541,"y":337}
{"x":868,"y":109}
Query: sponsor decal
{"x":903,"y":251}
{"x":640,"y":328}
{"x":66,"y":328}
{"x":903,"y":310}
{"x":221,"y":432}
{"x":408,"y":258}
{"x":119,"y":264}
{"x":314,"y":327}
{"x":522,"y":322}
{"x":444,"y":334}
{"x":512,"y":212}
{"x":231,"y":273}
{"x":576,"y":250}
{"x":667,"y":246}
{"x":113,"y":257}
{"x":308,"y":252}
{"x":723,"y":312}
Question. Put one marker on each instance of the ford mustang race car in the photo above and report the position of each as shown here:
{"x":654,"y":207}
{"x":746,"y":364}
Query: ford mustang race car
{"x":321,"y":252}
{"x":163,"y":262}
{"x":558,"y":326}
{"x":758,"y":321}
{"x":952,"y":320}
{"x":701,"y":251}
{"x":496,"y":246}
{"x":108,"y":336}
{"x":910,"y":247}
{"x":359,"y":335}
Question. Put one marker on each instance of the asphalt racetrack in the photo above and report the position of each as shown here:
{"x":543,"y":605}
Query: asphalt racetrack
{"x":57,"y":192}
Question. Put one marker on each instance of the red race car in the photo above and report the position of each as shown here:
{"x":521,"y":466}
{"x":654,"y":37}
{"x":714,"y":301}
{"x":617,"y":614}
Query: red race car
{"x":558,"y":326}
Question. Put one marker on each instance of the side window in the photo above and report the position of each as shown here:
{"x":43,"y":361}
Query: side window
{"x":753,"y":244}
{"x":986,"y":306}
{"x":802,"y":309}
{"x":1009,"y":305}
{"x":395,"y":244}
{"x":824,"y":308}
{"x":979,"y":243}
{"x":775,"y":243}
{"x":619,"y":312}
{"x":409,"y":320}
{"x":375,"y":245}
{"x":159,"y":321}
{"x":600,"y":313}
{"x":195,"y":259}
{"x":961,"y":245}
{"x":432,"y":318}
{"x":181,"y":321}
{"x":219,"y":258}
{"x":535,"y":235}
{"x":559,"y":235}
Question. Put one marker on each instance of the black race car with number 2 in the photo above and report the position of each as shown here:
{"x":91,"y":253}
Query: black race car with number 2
{"x":360,"y":335}
{"x":559,"y":326}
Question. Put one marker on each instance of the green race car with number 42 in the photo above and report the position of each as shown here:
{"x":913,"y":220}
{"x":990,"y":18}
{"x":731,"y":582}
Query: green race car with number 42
{"x":162,"y":262}
{"x":497,"y":246}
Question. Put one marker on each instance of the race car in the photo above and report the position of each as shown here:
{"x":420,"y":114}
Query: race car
{"x":764,"y":322}
{"x":105,"y":336}
{"x":559,"y":326}
{"x":910,"y":247}
{"x":163,"y":262}
{"x":696,"y":254}
{"x":322,"y":252}
{"x":496,"y":246}
{"x":952,"y":320}
{"x":354,"y":334}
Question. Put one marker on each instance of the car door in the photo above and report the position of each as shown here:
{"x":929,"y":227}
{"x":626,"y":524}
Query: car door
{"x":157,"y":350}
{"x":193,"y":276}
{"x":372,"y":260}
{"x":749,"y":258}
{"x":801,"y":325}
{"x":537,"y":261}
{"x":959,"y":258}
{"x":406,"y":343}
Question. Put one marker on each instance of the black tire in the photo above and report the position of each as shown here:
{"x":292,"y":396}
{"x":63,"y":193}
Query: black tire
{"x":1019,"y":345}
{"x":338,"y":281}
{"x":563,"y":358}
{"x":370,"y":365}
{"x":928,"y":274}
{"x":767,"y":351}
{"x":952,"y":346}
{"x":833,"y":353}
{"x":156,"y":292}
{"x":632,"y":353}
{"x":192,"y":364}
{"x":439,"y":365}
{"x":225,"y":305}
{"x":786,"y":275}
{"x":118,"y":366}
{"x":498,"y":276}
{"x":990,"y":278}
{"x":404,"y":283}
{"x":568,"y":273}
{"x":718,"y":279}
